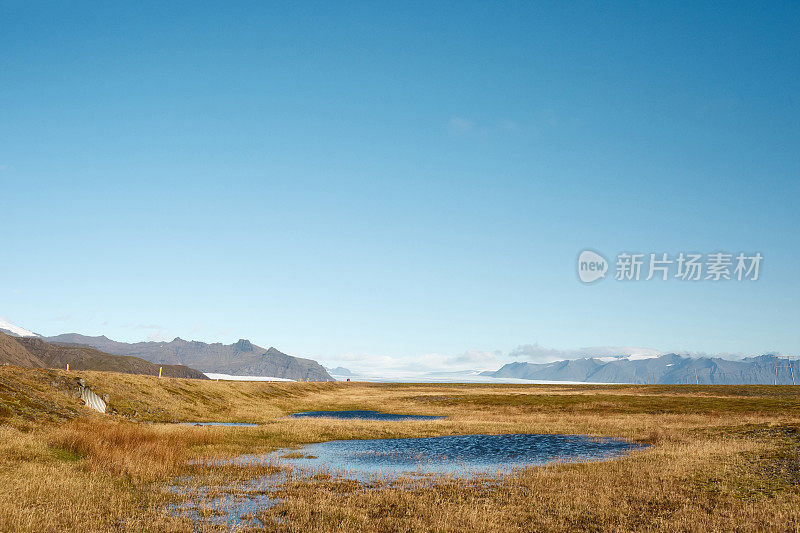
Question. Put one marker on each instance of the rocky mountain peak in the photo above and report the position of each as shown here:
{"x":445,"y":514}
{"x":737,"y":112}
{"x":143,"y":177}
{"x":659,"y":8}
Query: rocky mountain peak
{"x":243,"y":345}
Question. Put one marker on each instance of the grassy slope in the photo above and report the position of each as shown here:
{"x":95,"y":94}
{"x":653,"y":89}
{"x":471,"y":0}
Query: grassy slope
{"x":30,"y":398}
{"x":724,"y":457}
{"x":85,"y":358}
{"x":36,"y":353}
{"x":13,"y":353}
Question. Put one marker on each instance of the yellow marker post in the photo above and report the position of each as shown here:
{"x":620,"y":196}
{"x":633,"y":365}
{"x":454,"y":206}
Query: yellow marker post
{"x":159,"y":371}
{"x":67,"y":367}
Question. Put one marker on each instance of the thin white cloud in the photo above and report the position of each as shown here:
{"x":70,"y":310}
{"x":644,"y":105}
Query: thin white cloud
{"x":211,"y":331}
{"x":507,"y":125}
{"x":159,"y":336}
{"x":430,"y":362}
{"x":535,"y":353}
{"x":460,"y":126}
{"x":474,"y":359}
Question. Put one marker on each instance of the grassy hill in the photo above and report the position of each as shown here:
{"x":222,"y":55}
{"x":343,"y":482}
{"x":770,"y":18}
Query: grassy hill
{"x":35,"y":353}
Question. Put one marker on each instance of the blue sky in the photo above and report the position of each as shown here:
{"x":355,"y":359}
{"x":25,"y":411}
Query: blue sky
{"x":372,"y":183}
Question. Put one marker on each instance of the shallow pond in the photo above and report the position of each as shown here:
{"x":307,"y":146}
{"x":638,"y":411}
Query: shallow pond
{"x":387,"y":462}
{"x":363,"y":415}
{"x":457,"y":455}
{"x":225,"y":424}
{"x":231,"y":507}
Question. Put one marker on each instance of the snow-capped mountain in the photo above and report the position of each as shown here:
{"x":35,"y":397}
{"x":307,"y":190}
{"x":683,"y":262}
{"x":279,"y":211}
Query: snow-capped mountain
{"x":15,"y":331}
{"x":667,"y":368}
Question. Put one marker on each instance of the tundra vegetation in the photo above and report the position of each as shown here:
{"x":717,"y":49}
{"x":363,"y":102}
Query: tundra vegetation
{"x":722,"y":457}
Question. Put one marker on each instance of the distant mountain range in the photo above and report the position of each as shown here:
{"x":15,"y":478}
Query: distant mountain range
{"x":240,"y":358}
{"x":667,"y":369}
{"x":23,"y":347}
{"x":341,"y":372}
{"x":33,"y":352}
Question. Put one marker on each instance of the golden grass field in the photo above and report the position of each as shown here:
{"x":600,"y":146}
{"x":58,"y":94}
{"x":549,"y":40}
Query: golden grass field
{"x":724,"y":458}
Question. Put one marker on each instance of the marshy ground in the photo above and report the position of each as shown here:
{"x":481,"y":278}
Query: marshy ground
{"x":722,"y":457}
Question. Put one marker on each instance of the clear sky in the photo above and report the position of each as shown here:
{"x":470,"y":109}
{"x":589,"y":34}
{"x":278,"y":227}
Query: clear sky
{"x":398,"y":184}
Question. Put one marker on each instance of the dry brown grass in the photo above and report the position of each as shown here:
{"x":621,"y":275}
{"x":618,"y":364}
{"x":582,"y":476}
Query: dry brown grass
{"x":724,"y":458}
{"x":141,"y":453}
{"x":47,"y":489}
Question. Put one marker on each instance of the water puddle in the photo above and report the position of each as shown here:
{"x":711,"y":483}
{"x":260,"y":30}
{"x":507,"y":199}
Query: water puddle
{"x":456,"y":455}
{"x":363,"y":415}
{"x":377,"y":463}
{"x":229,"y":506}
{"x":224,"y":424}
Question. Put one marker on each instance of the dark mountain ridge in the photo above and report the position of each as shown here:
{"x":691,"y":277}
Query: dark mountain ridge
{"x":240,"y":358}
{"x":32,"y":352}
